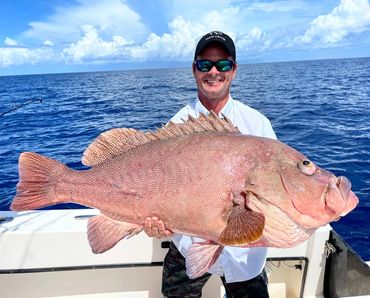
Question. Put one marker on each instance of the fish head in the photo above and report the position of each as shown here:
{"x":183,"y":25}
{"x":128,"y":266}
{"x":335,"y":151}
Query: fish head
{"x":308,"y":194}
{"x":317,"y":196}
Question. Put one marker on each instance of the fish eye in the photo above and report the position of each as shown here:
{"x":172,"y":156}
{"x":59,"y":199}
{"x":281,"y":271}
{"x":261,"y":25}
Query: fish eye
{"x":307,"y":167}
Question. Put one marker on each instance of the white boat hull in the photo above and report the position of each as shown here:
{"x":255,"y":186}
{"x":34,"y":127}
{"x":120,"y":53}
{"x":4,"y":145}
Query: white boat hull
{"x":46,"y":254}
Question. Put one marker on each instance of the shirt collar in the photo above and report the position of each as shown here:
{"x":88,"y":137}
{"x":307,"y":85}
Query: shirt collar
{"x":226,"y":110}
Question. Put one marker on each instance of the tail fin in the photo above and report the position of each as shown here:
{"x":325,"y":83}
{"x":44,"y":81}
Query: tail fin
{"x":36,"y":185}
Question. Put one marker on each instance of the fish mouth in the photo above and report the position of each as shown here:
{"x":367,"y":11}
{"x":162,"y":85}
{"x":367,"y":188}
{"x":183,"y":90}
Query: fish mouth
{"x":338,"y":197}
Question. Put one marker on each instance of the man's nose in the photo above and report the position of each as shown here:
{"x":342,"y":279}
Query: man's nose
{"x":213,"y":70}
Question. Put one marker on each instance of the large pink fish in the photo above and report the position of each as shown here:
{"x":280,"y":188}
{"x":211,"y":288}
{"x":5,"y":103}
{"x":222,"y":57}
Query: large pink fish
{"x":201,"y":178}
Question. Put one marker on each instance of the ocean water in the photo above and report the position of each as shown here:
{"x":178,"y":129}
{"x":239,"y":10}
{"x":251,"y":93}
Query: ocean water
{"x":321,"y":108}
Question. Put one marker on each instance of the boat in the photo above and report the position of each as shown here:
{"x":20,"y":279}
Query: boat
{"x":45,"y":253}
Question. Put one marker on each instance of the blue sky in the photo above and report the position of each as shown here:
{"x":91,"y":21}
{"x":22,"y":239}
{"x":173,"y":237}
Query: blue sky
{"x":41,"y":36}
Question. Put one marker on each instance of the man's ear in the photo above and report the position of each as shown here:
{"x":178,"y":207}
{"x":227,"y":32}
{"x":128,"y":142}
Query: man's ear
{"x":235,"y":67}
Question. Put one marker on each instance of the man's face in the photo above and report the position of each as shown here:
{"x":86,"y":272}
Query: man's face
{"x":214,"y":85}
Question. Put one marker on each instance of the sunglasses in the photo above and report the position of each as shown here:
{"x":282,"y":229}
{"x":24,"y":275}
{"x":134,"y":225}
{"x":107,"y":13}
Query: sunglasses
{"x":221,"y":65}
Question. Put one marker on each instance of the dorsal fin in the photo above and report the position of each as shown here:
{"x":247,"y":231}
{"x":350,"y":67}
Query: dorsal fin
{"x":203,"y":123}
{"x":112,"y":143}
{"x":116,"y":141}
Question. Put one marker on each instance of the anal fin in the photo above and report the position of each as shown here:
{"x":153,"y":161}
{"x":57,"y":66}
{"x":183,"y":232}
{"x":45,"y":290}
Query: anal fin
{"x":244,"y":226}
{"x":200,"y":257}
{"x":104,"y":232}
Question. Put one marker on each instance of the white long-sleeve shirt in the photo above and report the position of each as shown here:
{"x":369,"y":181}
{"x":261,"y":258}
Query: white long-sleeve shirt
{"x":235,"y":263}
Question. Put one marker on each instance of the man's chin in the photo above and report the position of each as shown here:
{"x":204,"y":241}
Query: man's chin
{"x":213,"y":92}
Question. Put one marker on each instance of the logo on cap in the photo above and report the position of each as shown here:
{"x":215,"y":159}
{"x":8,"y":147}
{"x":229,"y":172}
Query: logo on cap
{"x":215,"y":34}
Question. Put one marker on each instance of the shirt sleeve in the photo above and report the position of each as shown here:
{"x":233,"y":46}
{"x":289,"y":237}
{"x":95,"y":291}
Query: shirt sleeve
{"x":251,"y":121}
{"x":267,"y":130}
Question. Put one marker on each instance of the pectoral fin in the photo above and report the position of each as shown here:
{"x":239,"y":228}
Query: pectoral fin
{"x":201,"y":256}
{"x":244,"y":226}
{"x":104,"y":232}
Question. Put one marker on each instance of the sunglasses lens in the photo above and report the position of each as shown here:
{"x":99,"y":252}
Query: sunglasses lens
{"x":224,"y":65}
{"x":221,"y":65}
{"x":204,"y":65}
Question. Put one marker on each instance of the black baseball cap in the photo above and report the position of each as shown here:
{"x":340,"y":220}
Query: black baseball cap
{"x":219,"y":37}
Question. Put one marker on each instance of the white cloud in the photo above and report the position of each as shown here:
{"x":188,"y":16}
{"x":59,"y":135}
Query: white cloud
{"x":18,"y":56}
{"x":180,"y":42}
{"x":97,"y":30}
{"x":91,"y":46}
{"x":82,"y":32}
{"x":276,"y":6}
{"x":48,"y":43}
{"x":194,"y":10}
{"x":253,"y":39}
{"x":175,"y":45}
{"x":249,"y":23}
{"x":10,"y":42}
{"x":350,"y":16}
{"x":109,"y":17}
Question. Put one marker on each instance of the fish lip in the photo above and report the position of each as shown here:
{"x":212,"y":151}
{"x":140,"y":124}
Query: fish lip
{"x":339,"y":187}
{"x":344,"y":186}
{"x":324,"y":197}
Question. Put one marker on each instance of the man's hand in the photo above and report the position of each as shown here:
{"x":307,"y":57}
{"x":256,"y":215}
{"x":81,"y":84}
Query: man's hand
{"x":154,"y":227}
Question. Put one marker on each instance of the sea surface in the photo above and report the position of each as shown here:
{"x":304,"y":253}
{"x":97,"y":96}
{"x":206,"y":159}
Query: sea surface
{"x":321,"y":108}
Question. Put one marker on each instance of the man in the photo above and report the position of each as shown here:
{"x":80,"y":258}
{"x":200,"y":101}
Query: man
{"x":241,"y":269}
